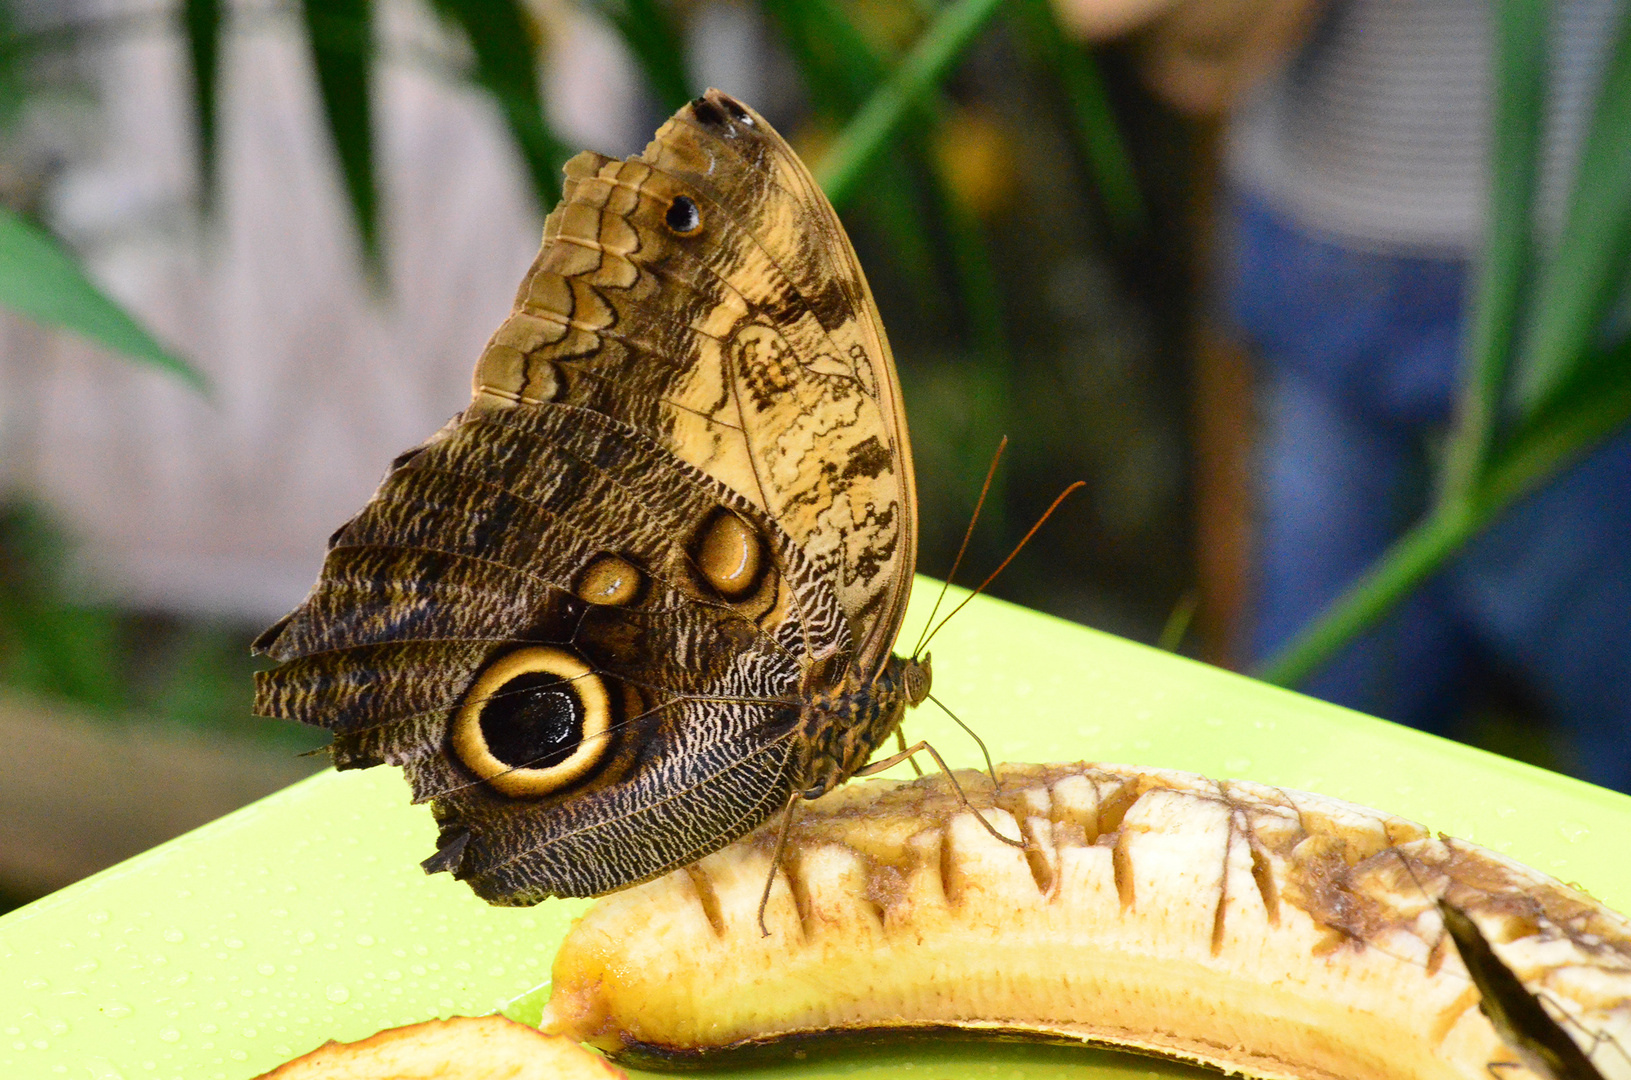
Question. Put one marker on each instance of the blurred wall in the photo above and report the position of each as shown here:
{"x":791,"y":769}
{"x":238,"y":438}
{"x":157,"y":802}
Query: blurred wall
{"x":222,"y":505}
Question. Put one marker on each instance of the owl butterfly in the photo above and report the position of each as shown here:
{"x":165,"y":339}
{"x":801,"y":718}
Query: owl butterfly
{"x":641,"y":594}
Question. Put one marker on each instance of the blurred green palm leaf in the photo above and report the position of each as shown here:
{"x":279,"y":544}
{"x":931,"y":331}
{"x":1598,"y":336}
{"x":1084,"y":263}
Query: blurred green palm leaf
{"x":505,"y":41}
{"x":201,"y":21}
{"x":1098,"y":139}
{"x":1587,"y":274}
{"x":340,"y":36}
{"x":48,"y":642}
{"x":655,"y":43}
{"x":40,"y":279}
{"x":1540,"y":390}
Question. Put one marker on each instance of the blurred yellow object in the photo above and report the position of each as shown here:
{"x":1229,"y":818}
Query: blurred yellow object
{"x":976,"y":158}
{"x":1101,"y":20}
{"x":812,"y":139}
{"x":888,"y":25}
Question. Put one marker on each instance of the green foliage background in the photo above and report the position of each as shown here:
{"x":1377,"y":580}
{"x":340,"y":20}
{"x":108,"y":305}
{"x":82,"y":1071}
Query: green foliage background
{"x":994,"y":312}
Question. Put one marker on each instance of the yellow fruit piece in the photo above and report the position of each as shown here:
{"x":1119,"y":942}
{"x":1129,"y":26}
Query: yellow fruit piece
{"x":460,"y":1048}
{"x":1255,"y":929}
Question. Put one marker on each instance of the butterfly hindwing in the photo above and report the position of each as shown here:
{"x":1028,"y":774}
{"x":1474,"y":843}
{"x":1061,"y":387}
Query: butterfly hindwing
{"x":480,"y":545}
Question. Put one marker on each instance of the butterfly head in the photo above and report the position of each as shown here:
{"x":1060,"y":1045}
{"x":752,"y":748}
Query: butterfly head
{"x":916,"y":678}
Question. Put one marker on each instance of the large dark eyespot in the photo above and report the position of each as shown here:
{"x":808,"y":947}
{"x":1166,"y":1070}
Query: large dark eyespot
{"x":535,"y":721}
{"x":683,"y":216}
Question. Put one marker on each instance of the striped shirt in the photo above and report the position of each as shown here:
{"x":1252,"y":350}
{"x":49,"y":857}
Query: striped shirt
{"x":1379,"y":129}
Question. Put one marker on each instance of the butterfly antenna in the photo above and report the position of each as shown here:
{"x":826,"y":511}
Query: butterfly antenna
{"x":1046,"y":514}
{"x":968,"y":534}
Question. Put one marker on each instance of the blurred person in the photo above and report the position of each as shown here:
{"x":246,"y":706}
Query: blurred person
{"x":1355,"y":175}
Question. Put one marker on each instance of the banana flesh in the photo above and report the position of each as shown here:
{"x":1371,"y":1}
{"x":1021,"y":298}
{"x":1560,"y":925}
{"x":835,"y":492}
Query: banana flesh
{"x":1251,"y":928}
{"x":458,"y":1048}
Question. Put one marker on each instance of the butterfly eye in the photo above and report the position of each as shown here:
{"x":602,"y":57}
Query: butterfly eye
{"x":683,"y":217}
{"x":535,"y":721}
{"x":916,"y":679}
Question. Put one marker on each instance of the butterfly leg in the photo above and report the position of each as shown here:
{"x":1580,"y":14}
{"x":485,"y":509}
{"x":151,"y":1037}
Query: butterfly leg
{"x":905,"y":755}
{"x":776,"y":860}
{"x":990,"y":769}
{"x":900,"y":741}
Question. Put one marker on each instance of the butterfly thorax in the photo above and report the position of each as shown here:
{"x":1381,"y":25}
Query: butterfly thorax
{"x":842,"y":725}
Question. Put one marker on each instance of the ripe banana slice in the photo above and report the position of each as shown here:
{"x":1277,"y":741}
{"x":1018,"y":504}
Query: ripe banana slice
{"x":1264,"y":931}
{"x":459,"y":1048}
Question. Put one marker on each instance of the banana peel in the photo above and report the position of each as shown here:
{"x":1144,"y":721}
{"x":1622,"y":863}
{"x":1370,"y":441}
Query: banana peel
{"x":1262,"y":931}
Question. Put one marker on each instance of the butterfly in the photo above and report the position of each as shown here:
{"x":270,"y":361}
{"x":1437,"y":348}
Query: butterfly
{"x":642,"y":593}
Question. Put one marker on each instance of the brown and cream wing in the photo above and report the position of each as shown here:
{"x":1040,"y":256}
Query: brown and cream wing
{"x":706,"y":293}
{"x":530,"y":548}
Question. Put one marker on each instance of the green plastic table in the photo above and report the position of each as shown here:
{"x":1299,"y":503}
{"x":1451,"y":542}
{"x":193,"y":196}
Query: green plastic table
{"x":305,"y":917}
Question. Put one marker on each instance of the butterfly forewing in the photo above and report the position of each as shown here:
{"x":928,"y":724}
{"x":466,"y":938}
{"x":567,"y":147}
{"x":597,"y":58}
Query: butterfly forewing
{"x":750,"y":346}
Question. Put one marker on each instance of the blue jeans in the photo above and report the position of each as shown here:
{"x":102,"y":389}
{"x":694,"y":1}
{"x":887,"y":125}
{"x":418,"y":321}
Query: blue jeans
{"x":1359,"y":355}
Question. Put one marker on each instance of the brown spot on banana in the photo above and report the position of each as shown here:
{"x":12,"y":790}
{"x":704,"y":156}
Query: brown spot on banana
{"x":1258,"y":930}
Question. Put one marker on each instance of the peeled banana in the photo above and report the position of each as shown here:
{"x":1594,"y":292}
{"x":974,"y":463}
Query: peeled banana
{"x":1251,"y":928}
